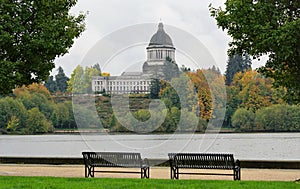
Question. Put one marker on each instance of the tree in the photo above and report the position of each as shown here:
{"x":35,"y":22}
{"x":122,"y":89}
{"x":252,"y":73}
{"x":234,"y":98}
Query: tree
{"x":12,"y":114}
{"x":170,"y":97}
{"x":204,"y":94}
{"x":13,"y":124}
{"x":81,"y":79}
{"x":32,"y":34}
{"x":37,"y":122}
{"x":51,"y":85}
{"x":35,"y":95}
{"x":97,"y":67}
{"x":155,"y":88}
{"x":266,"y":28}
{"x":279,"y":117}
{"x":252,"y":91}
{"x":74,"y":85}
{"x":89,"y":73}
{"x":255,"y":91}
{"x":243,"y":119}
{"x":61,"y":80}
{"x":236,"y":63}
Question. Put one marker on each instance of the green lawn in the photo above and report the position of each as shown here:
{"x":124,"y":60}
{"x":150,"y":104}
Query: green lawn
{"x":9,"y":182}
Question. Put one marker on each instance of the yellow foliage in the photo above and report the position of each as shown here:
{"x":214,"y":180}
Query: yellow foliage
{"x":105,"y":74}
{"x":33,"y":88}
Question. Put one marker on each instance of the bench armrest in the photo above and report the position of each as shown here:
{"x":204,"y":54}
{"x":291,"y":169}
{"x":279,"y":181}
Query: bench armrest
{"x":145,"y":163}
{"x":237,"y":163}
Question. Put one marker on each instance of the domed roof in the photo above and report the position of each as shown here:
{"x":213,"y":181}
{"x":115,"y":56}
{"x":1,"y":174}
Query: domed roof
{"x":160,"y":37}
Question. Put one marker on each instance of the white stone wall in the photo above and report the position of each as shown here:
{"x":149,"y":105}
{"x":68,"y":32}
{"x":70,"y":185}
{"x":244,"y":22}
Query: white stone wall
{"x":121,"y":84}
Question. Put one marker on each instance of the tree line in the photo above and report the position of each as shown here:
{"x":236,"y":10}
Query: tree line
{"x":252,"y":104}
{"x":33,"y":110}
{"x":280,"y":117}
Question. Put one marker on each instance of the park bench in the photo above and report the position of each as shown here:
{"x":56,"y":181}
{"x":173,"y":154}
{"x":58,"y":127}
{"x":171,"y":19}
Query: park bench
{"x":204,"y":161}
{"x":115,"y":159}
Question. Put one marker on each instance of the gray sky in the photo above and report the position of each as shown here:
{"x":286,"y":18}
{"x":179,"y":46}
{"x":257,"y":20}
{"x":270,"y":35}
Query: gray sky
{"x":105,"y":17}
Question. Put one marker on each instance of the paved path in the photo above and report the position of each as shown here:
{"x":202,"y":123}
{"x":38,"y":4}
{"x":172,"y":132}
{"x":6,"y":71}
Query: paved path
{"x":155,"y":172}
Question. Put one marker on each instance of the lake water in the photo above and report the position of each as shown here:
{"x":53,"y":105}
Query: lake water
{"x":258,"y":146}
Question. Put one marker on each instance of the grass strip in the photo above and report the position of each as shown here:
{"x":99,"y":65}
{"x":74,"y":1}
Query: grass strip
{"x":16,"y":182}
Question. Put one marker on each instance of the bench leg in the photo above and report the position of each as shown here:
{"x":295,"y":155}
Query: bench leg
{"x":145,"y":172}
{"x":173,"y":172}
{"x":176,"y":173}
{"x":89,"y":171}
{"x":86,"y":173}
{"x":237,"y":173}
{"x":93,"y":172}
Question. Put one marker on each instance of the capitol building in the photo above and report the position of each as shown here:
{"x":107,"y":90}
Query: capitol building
{"x":160,"y":64}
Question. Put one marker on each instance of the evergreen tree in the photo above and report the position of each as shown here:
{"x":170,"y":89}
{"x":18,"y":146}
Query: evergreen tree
{"x":97,"y":67}
{"x":236,"y":63}
{"x":154,"y":89}
{"x":51,"y":85}
{"x":61,"y":80}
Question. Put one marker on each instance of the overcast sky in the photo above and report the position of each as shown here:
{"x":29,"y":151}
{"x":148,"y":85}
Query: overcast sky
{"x":105,"y":17}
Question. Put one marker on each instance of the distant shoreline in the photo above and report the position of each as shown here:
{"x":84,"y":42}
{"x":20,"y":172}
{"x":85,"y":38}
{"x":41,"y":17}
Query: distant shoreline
{"x":95,"y":131}
{"x":98,"y":131}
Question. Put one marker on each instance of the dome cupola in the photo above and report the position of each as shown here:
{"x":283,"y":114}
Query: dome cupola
{"x":161,"y":56}
{"x":161,"y":37}
{"x":161,"y":46}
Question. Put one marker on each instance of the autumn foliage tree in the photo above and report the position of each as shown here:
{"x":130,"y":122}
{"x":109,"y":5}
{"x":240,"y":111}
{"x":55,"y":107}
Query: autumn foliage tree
{"x":236,"y":63}
{"x":256,"y":91}
{"x":266,"y":28}
{"x":251,"y":91}
{"x":33,"y":110}
{"x":203,"y":92}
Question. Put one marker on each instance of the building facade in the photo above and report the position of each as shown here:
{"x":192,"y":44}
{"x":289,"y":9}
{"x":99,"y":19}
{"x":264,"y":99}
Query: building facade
{"x":160,"y":64}
{"x":127,"y":83}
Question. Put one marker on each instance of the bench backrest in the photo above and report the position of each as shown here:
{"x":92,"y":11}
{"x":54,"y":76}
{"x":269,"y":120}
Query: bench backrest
{"x":112,"y":159}
{"x":203,"y":161}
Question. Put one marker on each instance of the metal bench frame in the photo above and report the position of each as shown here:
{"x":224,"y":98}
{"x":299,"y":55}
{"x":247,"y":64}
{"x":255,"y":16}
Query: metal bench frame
{"x":204,"y":161}
{"x":115,"y":159}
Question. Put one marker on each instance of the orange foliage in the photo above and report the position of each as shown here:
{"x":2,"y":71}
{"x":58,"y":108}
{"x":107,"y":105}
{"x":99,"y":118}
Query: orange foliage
{"x":204,"y":94}
{"x":33,"y":88}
